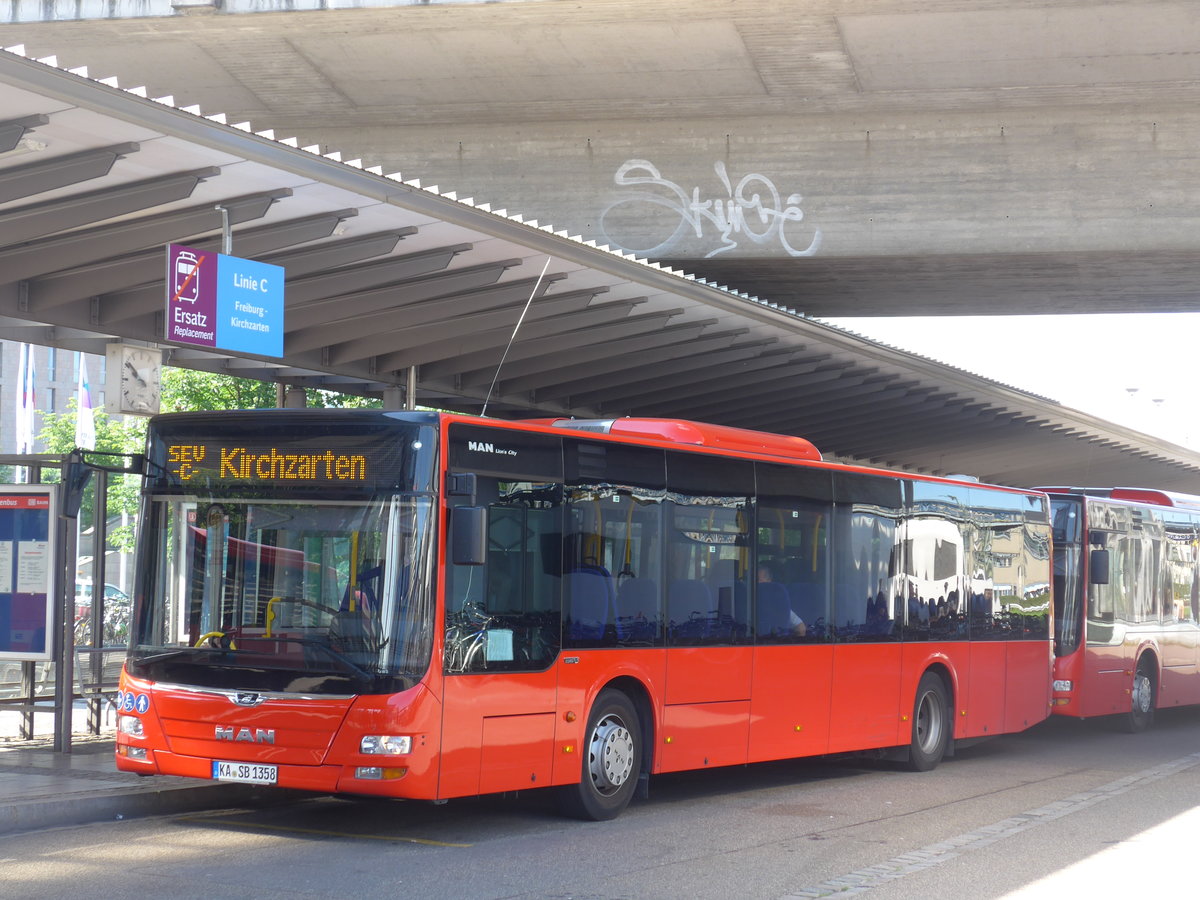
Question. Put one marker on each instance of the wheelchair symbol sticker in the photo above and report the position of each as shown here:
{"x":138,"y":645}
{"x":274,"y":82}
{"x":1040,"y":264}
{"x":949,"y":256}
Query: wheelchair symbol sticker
{"x":120,"y":700}
{"x":127,"y":702}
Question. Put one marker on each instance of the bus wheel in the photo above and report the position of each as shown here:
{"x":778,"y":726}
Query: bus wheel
{"x":1141,"y":706}
{"x":930,"y":724}
{"x":612,"y":760}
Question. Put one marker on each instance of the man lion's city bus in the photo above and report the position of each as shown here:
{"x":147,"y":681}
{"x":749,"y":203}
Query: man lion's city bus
{"x":429,"y":606}
{"x":1126,"y":586}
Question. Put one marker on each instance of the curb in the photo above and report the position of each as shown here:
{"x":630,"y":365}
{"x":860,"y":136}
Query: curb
{"x":33,"y":814}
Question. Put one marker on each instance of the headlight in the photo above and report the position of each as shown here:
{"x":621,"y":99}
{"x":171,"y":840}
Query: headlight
{"x":131,"y":726}
{"x":1063,"y":685}
{"x":386,"y":744}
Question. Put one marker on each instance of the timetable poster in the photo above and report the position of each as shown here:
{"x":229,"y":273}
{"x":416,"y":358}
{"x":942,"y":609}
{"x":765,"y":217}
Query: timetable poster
{"x":26,"y":571}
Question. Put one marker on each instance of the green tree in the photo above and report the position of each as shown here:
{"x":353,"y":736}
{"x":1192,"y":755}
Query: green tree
{"x":113,"y":436}
{"x":188,"y":390}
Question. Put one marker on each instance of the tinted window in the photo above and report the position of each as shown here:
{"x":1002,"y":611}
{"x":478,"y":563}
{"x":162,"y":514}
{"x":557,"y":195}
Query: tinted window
{"x":708,"y":549}
{"x":792,"y":549}
{"x":506,"y":615}
{"x":612,"y":545}
{"x":867,"y":556}
{"x":935,"y":582}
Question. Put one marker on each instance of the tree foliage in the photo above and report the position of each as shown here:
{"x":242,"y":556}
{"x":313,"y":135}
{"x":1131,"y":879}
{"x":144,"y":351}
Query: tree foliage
{"x":113,"y":436}
{"x":186,"y":390}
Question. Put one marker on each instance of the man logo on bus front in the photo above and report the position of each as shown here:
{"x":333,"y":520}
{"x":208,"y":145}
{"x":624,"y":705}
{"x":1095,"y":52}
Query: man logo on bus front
{"x":245,"y":698}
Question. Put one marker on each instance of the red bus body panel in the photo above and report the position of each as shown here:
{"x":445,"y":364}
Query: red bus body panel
{"x":713,"y":706}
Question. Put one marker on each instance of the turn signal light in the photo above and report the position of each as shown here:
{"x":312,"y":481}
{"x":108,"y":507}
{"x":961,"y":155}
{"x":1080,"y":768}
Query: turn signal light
{"x":380,"y":773}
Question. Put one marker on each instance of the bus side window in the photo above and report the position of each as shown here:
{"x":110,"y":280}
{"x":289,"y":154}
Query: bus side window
{"x":504,"y":615}
{"x":709,"y":549}
{"x":612,"y":545}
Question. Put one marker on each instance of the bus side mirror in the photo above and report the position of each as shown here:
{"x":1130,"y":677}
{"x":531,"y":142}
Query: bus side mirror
{"x":462,"y":484}
{"x":468,"y":535}
{"x":1098,"y":567}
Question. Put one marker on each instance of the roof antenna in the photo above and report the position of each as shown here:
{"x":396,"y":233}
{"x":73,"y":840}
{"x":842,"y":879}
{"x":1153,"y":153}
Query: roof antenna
{"x":513,"y":337}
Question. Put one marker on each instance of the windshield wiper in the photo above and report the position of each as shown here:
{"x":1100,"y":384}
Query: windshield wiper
{"x":340,"y":657}
{"x":174,"y":654}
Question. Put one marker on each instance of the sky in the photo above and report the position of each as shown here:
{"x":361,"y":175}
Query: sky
{"x":1133,"y":370}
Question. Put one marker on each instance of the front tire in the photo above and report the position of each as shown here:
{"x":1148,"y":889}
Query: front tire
{"x":612,"y":760}
{"x":930,"y":724}
{"x":1142,"y":699}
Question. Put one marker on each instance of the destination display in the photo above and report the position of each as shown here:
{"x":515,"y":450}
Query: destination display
{"x":185,"y":461}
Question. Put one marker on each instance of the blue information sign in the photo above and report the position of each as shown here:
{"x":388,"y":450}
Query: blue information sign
{"x":224,"y":302}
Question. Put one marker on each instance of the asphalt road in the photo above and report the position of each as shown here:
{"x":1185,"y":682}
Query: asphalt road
{"x":1067,"y":808}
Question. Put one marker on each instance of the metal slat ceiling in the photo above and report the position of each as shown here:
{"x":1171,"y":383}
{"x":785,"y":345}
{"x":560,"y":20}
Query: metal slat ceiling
{"x":384,"y":275}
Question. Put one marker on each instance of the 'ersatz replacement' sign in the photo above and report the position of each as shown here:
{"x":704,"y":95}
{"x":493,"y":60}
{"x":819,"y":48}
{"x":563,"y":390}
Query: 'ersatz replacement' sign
{"x":224,"y":302}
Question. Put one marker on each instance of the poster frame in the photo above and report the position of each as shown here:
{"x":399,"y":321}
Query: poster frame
{"x":46,"y":574}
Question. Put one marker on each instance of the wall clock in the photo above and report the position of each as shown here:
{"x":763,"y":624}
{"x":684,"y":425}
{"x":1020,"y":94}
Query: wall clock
{"x":133,"y":380}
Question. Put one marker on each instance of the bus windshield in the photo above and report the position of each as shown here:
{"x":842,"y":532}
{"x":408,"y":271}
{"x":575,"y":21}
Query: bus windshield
{"x":298,"y":565}
{"x":1068,"y":590}
{"x":316,"y":597}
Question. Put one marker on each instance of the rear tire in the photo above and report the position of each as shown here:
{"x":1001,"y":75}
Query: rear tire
{"x":1142,"y":700}
{"x":612,"y":760}
{"x":930,"y":724}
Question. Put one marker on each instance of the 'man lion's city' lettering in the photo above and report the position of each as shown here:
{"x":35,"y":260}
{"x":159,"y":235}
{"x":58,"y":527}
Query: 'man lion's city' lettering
{"x":236,"y":462}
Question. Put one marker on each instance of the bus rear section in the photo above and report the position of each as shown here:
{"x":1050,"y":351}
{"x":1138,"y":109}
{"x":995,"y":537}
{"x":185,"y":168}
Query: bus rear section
{"x":1126,"y":583}
{"x":430,"y":606}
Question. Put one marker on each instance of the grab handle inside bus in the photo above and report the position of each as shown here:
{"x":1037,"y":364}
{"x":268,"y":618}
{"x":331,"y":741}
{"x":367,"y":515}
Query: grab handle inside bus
{"x":468,"y":535}
{"x":1098,"y":567}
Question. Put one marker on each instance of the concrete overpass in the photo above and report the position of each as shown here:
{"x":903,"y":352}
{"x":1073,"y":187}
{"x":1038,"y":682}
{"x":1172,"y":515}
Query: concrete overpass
{"x":897,"y":157}
{"x":395,"y":285}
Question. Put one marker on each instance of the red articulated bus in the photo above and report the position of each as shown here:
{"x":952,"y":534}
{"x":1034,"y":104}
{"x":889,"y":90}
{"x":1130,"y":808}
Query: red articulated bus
{"x":1126,"y":590}
{"x":430,"y":606}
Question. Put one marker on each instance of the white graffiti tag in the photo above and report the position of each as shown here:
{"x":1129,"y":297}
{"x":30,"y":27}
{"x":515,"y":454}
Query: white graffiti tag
{"x":753,"y":210}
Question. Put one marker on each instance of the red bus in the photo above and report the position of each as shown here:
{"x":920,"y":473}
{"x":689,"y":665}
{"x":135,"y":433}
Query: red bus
{"x":430,"y":606}
{"x":1126,"y":586}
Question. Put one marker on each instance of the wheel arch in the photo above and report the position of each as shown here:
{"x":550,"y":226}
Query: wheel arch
{"x":639,"y":695}
{"x":942,"y":668}
{"x":1148,"y":652}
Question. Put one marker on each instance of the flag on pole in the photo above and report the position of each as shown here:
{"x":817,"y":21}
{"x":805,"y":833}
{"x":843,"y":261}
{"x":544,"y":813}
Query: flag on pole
{"x":85,"y":420}
{"x":26,"y":399}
